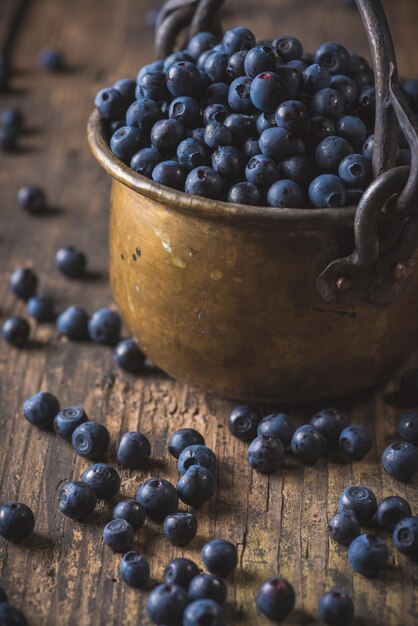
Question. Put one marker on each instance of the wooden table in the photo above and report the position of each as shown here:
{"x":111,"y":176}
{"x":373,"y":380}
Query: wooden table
{"x":64,"y":575}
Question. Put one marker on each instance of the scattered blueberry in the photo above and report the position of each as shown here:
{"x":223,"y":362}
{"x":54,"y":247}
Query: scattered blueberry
{"x":336,"y":608}
{"x":344,"y":527}
{"x":41,"y":308}
{"x":183,"y":438}
{"x":134,"y":450}
{"x":400,"y":460}
{"x":308,"y":444}
{"x":10,"y":616}
{"x":277,"y":425}
{"x":196,"y":455}
{"x":408,"y":427}
{"x":204,"y":611}
{"x":90,"y":440}
{"x":134,"y":570}
{"x":266,"y":454}
{"x":32,"y":199}
{"x":180,"y":572}
{"x":243,"y":421}
{"x":206,"y":586}
{"x":23,"y":283}
{"x":67,"y":420}
{"x":129,"y":357}
{"x":360,"y":500}
{"x":368,"y":554}
{"x":180,"y":528}
{"x":392,"y":510}
{"x":405,"y":537}
{"x":118,"y":535}
{"x":166,"y":604}
{"x":275,"y":598}
{"x":77,"y":500}
{"x":15,"y":331}
{"x":71,"y":262}
{"x":41,"y":409}
{"x":330,"y":423}
{"x":219,"y":557}
{"x":16,"y":521}
{"x":104,"y":327}
{"x":196,"y":486}
{"x":356,"y":441}
{"x":51,"y":60}
{"x":103,"y":479}
{"x":158,"y":497}
{"x":131,"y":511}
{"x":73,"y":323}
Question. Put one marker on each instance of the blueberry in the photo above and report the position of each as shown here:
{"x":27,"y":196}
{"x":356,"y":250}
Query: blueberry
{"x":261,"y":58}
{"x":286,"y":194}
{"x":297,"y":64}
{"x":316,"y":78}
{"x":201,"y":60}
{"x":368,"y":554}
{"x":158,"y":497}
{"x":368,"y":147}
{"x":129,"y":357}
{"x":8,"y":138}
{"x":261,"y":171}
{"x":23,"y":283}
{"x":292,"y":79}
{"x":72,"y":323}
{"x":196,"y":486}
{"x":10,"y":616}
{"x":267,"y":91}
{"x":229,"y":163}
{"x":104,"y":327}
{"x":251,"y":148}
{"x":3,"y":596}
{"x":330,"y":423}
{"x":196,"y":454}
{"x":16,"y":521}
{"x":405,"y":537}
{"x":289,"y":47}
{"x":67,"y":420}
{"x":166,"y":604}
{"x":266,"y":454}
{"x":77,"y":500}
{"x":356,"y":171}
{"x":321,"y":127}
{"x":176,"y":57}
{"x":298,"y":168}
{"x":333,"y":57}
{"x":185,"y":110}
{"x":199,"y":43}
{"x":275,"y":598}
{"x":392,"y":510}
{"x":360,"y":500}
{"x":183,"y":78}
{"x":294,"y":116}
{"x":336,"y":608}
{"x":206,"y":586}
{"x":242,"y":128}
{"x":245,"y":193}
{"x":239,"y":95}
{"x":400,"y":460}
{"x":15,"y":331}
{"x":41,"y":409}
{"x":152,"y":85}
{"x":216,"y":113}
{"x":243,"y":421}
{"x":277,"y":143}
{"x":166,"y":136}
{"x":344,"y":527}
{"x":215,"y":93}
{"x":125,"y":142}
{"x":155,"y":66}
{"x":215,"y":67}
{"x":183,"y":438}
{"x":327,"y":103}
{"x":192,"y":153}
{"x":308,"y":444}
{"x":238,"y":38}
{"x":143,"y":114}
{"x":277,"y":425}
{"x":327,"y":190}
{"x":204,"y":181}
{"x":408,"y":426}
{"x":127,"y":87}
{"x":71,"y":262}
{"x":103,"y":479}
{"x":118,"y":535}
{"x":180,"y":572}
{"x":365,"y":105}
{"x":41,"y":308}
{"x":356,"y":441}
{"x":180,"y":528}
{"x":111,"y":104}
{"x":169,"y":173}
{"x":204,"y":611}
{"x":12,"y":119}
{"x":219,"y":557}
{"x":217,"y":134}
{"x":144,"y":161}
{"x":90,"y":440}
{"x":352,"y":129}
{"x":134,"y":450}
{"x":235,"y":67}
{"x":134,"y":570}
{"x":52,"y":60}
{"x":346,"y":87}
{"x":131,"y":511}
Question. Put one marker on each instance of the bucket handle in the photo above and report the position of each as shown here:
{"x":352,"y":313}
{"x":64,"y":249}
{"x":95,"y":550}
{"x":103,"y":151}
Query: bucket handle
{"x":368,"y":274}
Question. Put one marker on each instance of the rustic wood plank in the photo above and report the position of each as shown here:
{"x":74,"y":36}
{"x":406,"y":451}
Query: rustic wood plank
{"x":64,"y":575}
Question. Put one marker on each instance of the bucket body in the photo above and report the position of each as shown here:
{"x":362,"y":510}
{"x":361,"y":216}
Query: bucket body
{"x":231,"y":305}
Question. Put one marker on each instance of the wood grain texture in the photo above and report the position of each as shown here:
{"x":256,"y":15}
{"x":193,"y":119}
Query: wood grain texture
{"x":64,"y":575}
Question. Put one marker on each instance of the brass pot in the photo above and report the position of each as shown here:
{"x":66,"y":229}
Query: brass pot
{"x":256,"y":303}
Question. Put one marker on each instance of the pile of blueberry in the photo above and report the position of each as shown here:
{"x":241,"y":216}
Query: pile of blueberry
{"x":103,"y":327}
{"x":367,"y":552}
{"x":256,"y":124}
{"x":400,"y":459}
{"x":271,"y":435}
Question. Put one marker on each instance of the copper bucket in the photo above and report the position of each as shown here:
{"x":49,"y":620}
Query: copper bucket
{"x":273,"y":304}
